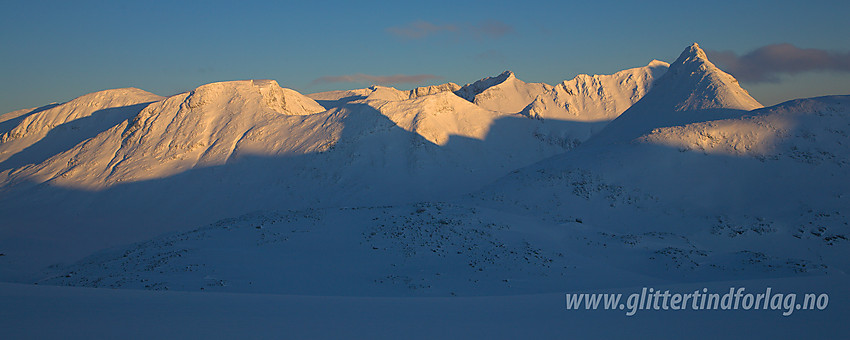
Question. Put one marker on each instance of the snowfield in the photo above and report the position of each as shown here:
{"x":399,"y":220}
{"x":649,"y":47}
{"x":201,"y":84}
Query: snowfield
{"x":68,"y":312}
{"x":245,"y":208}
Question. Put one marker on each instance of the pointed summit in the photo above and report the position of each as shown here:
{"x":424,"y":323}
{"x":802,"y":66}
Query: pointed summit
{"x":469,"y":91}
{"x":695,"y":83}
{"x":693,"y":52}
{"x":502,"y":93}
{"x":693,"y":89}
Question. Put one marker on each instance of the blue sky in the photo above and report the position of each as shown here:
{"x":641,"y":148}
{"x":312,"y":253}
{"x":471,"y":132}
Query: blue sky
{"x":55,"y":51}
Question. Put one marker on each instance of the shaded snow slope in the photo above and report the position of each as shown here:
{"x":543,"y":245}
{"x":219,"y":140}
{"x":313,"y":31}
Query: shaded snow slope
{"x":426,"y":249}
{"x":767,"y":190}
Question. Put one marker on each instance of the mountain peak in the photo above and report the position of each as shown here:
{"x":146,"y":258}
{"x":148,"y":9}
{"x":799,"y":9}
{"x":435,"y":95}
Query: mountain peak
{"x":696,"y":83}
{"x":695,"y":49}
{"x":469,"y":91}
{"x":261,"y":93}
{"x":432,"y":89}
{"x":502,"y":93}
{"x":658,"y":63}
{"x":488,"y":82}
{"x":264,"y":83}
{"x":692,"y":55}
{"x":691,"y":84}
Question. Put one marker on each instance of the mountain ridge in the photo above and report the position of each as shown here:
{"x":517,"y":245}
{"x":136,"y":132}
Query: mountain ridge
{"x":596,"y":97}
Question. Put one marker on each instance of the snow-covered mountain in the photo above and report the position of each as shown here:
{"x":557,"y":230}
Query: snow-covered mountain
{"x":502,"y":93}
{"x":694,"y":83}
{"x":693,"y":89}
{"x":649,"y":212}
{"x":413,"y":133}
{"x":595,"y":100}
{"x":229,"y":148}
{"x":598,"y":97}
{"x":31,"y":136}
{"x":691,"y":163}
{"x":768,"y":187}
{"x":704,"y":154}
{"x":492,"y":188}
{"x":204,"y":127}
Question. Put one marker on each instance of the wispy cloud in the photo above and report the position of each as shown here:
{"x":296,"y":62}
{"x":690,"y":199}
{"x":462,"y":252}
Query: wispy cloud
{"x":421,"y":29}
{"x":767,"y":63}
{"x":380,"y":80}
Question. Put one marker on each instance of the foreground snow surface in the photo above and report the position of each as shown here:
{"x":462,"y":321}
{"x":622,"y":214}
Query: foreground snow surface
{"x":49,"y":312}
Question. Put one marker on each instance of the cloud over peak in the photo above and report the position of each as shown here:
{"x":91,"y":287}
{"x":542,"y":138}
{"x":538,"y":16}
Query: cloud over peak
{"x":767,"y":63}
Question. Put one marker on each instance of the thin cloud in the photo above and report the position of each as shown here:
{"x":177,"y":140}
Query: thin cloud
{"x":380,"y":80}
{"x":422,"y":29}
{"x":767,"y":63}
